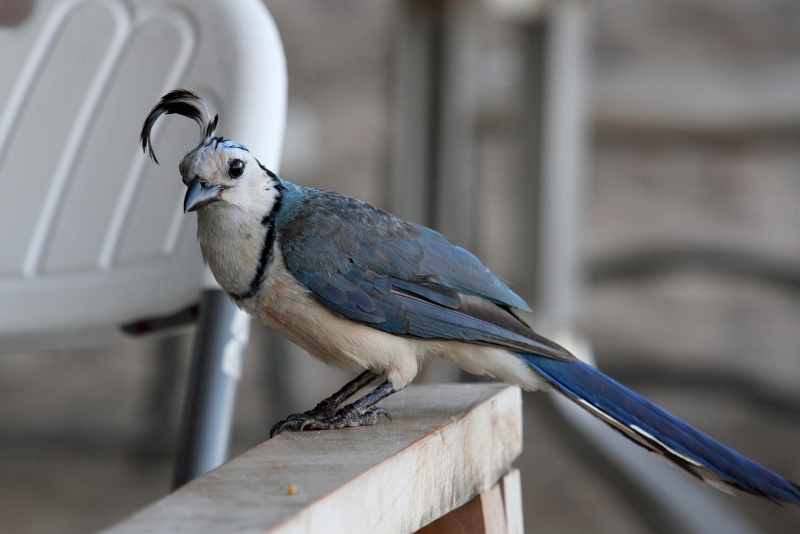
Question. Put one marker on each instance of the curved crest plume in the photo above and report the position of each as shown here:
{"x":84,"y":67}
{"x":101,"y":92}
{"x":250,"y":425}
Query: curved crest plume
{"x":180,"y":102}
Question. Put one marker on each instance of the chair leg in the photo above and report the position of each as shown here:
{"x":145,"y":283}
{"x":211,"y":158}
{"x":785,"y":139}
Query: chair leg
{"x":222,"y":333}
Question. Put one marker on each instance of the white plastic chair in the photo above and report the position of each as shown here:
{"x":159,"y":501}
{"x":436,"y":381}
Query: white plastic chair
{"x":92,"y":234}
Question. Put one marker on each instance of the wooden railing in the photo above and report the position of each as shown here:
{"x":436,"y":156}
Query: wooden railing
{"x":441,"y":465}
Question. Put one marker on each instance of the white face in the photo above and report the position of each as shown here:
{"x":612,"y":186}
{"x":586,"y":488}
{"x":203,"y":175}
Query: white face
{"x":242,"y":182}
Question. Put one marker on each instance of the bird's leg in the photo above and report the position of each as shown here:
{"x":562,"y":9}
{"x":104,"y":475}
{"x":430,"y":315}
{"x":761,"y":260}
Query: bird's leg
{"x":361,"y":412}
{"x":325,"y":409}
{"x":329,"y":405}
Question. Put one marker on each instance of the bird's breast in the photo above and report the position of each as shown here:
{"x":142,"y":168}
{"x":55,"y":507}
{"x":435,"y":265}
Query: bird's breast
{"x":232,"y":246}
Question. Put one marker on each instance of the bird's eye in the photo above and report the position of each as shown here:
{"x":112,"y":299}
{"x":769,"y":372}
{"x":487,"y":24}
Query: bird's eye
{"x":235,"y":168}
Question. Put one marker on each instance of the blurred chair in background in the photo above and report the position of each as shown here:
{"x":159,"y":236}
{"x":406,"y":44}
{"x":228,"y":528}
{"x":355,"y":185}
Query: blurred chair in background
{"x":95,"y":243}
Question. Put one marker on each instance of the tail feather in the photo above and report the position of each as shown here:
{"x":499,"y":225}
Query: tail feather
{"x":662,"y":433}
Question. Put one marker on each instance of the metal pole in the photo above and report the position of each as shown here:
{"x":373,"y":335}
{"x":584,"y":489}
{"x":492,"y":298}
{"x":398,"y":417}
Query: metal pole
{"x":455,"y":174}
{"x":222,"y":333}
{"x":565,"y":157}
{"x":417,"y":99}
{"x":530,"y":150}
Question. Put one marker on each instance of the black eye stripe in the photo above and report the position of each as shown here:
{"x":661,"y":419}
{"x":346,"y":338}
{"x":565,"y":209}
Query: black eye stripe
{"x":235,"y":168}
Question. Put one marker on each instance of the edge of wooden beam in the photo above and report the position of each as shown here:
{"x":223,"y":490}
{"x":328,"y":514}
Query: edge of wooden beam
{"x":446,"y":444}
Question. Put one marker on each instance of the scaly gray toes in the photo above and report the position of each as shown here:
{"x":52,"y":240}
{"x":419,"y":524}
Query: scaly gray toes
{"x":279,"y":427}
{"x":341,"y":419}
{"x":300,"y":421}
{"x":293,"y":422}
{"x":344,"y":418}
{"x":369,"y":417}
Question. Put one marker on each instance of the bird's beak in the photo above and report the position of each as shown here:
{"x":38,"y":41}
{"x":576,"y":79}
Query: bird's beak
{"x":199,"y":194}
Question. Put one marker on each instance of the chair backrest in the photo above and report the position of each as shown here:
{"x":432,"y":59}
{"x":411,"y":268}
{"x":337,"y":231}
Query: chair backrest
{"x":92,"y":234}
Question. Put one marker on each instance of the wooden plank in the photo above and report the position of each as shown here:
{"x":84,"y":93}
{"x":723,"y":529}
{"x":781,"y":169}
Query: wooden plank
{"x":497,"y":510}
{"x":466,"y":519}
{"x":494,"y":514}
{"x":446,"y":444}
{"x":512,"y":501}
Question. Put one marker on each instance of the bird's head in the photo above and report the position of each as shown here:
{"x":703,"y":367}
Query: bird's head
{"x":218,"y":171}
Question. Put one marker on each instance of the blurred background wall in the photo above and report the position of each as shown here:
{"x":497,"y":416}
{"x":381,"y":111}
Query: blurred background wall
{"x":690,"y":250}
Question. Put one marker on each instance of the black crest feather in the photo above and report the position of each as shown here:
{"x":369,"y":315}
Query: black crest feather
{"x":179,"y":102}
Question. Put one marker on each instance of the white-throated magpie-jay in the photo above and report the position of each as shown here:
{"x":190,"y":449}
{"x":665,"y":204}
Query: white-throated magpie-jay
{"x":361,"y":289}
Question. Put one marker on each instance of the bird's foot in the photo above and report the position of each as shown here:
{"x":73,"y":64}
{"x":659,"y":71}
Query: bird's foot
{"x":325,"y":409}
{"x":324,"y":416}
{"x":297,"y":421}
{"x":341,"y":419}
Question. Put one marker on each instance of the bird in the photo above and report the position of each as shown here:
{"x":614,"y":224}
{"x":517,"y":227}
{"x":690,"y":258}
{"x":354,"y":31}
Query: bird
{"x":361,"y":289}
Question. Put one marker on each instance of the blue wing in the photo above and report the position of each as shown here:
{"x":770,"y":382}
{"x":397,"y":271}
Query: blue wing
{"x":373,"y":268}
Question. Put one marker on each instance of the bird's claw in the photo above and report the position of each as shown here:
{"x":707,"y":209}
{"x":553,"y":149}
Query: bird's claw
{"x":296,"y":421}
{"x":299,"y":421}
{"x":340,"y":419}
{"x":287,"y":425}
{"x":382,"y":411}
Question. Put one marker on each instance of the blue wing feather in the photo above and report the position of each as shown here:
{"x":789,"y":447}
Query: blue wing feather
{"x":460,"y":270}
{"x":438,"y":293}
{"x":407,"y":314}
{"x":342,"y":296}
{"x":328,"y":232}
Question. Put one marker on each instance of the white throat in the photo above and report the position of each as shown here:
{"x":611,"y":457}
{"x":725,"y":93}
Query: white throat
{"x":233,"y":233}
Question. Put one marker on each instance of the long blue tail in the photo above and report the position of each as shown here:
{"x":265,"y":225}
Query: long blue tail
{"x":650,"y":426}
